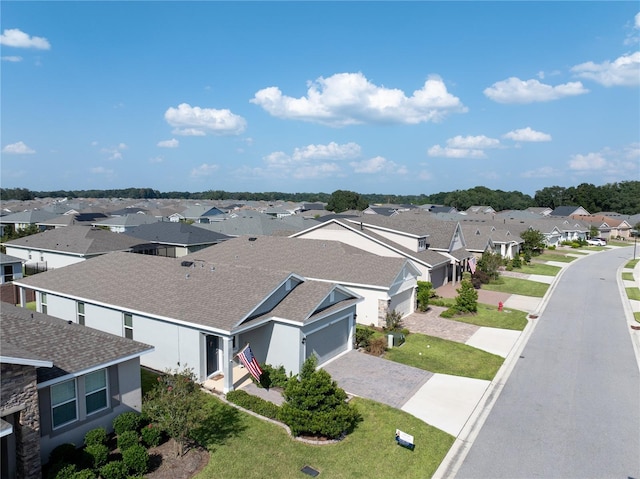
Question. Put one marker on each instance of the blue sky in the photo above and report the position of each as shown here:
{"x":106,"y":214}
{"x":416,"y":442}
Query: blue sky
{"x":380,"y":97}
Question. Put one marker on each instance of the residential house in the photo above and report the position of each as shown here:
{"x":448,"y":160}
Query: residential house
{"x":72,"y":219}
{"x":199,"y":314}
{"x":384,"y":283}
{"x":480,"y":209}
{"x":480,"y":237}
{"x":258,"y":224}
{"x":175,"y":239}
{"x":567,"y":211}
{"x":10,"y":268}
{"x":62,"y":247}
{"x":433,"y":266}
{"x":55,"y":390}
{"x":198,"y":214}
{"x":125,"y":223}
{"x":608,"y":227}
{"x":24,"y":219}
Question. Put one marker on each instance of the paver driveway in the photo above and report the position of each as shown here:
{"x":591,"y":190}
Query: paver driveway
{"x":374,"y":378}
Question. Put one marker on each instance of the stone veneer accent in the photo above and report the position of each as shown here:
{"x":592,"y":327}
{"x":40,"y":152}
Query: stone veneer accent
{"x":383,"y":308}
{"x":19,"y":393}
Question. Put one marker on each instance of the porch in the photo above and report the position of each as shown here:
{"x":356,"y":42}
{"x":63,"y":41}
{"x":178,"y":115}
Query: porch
{"x":241,"y":378}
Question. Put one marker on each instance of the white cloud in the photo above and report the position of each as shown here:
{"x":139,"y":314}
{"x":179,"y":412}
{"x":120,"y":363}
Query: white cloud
{"x":623,"y":71}
{"x":447,"y":152}
{"x":14,"y":37}
{"x":514,"y":90}
{"x":172,"y":143}
{"x":542,"y":172}
{"x":349,"y":98}
{"x":18,"y":148}
{"x":156,"y":159}
{"x":114,"y":152}
{"x":13,"y":59}
{"x":376,"y":164}
{"x":331,"y":151}
{"x":204,"y":170}
{"x":527,"y":134}
{"x":473,"y":142}
{"x":196,"y":121}
{"x":101,"y":170}
{"x":590,"y":161}
{"x":316,"y":172}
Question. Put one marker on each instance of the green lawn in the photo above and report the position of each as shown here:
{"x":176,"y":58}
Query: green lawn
{"x":632,"y":264}
{"x":517,"y":286}
{"x":148,"y":379}
{"x":31,"y":305}
{"x":447,"y":357}
{"x":633,"y":293}
{"x":539,"y":268}
{"x":489,"y":316}
{"x":563,"y":258}
{"x":245,"y":446}
{"x":637,"y":316}
{"x":627,"y":276}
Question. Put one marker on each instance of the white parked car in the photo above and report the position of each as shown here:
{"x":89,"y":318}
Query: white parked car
{"x":596,"y":242}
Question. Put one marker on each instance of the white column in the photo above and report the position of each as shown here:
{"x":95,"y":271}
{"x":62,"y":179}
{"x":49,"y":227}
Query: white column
{"x":23,"y":301}
{"x":227,"y":364}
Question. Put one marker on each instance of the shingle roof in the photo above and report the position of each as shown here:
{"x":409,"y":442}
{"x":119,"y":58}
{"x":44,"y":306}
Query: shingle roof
{"x":311,"y":258}
{"x":128,"y":220}
{"x":255,"y":223}
{"x":7,"y":259}
{"x":83,"y":240}
{"x":212,"y":295}
{"x":176,"y":233}
{"x":72,"y":348}
{"x":28,"y":217}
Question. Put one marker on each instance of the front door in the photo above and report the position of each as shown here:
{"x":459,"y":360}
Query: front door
{"x":212,"y":354}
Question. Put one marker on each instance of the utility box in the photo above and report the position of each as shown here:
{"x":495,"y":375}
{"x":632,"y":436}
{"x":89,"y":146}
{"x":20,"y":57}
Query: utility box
{"x":395,"y":339}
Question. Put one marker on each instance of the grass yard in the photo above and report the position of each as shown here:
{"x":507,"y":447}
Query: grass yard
{"x":633,"y":293}
{"x":489,"y":316}
{"x":539,"y":268}
{"x":562,"y":258}
{"x":637,"y":316}
{"x":245,"y":446}
{"x":446,"y":357}
{"x":627,"y":276}
{"x":148,"y":380}
{"x":31,"y":305}
{"x":632,"y":264}
{"x":518,"y":286}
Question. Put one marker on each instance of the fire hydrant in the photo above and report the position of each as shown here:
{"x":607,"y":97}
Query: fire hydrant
{"x":500,"y":306}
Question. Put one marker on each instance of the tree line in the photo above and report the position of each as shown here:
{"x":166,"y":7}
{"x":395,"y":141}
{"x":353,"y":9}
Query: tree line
{"x":622,"y":197}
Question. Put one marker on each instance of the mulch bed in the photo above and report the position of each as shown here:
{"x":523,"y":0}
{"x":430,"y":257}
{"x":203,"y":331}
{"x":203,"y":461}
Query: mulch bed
{"x":166,"y":465}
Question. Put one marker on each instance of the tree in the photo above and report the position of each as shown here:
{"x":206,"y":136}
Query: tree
{"x":343,"y":200}
{"x":423,"y":294}
{"x":176,"y":405}
{"x":593,"y":232}
{"x":467,"y":299}
{"x":533,"y":242}
{"x":316,"y":406}
{"x":489,"y":264}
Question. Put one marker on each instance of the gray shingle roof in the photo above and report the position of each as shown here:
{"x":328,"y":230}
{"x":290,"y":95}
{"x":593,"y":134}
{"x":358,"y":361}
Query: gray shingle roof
{"x":255,"y":223}
{"x":128,"y":220}
{"x":72,"y":348}
{"x":7,"y":259}
{"x":320,"y":259}
{"x":176,"y":233}
{"x":28,"y":217}
{"x":212,"y":295}
{"x":83,"y":240}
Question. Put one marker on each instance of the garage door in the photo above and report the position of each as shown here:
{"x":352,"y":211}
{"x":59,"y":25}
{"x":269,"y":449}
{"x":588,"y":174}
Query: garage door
{"x":329,"y":342}
{"x":401,"y":302}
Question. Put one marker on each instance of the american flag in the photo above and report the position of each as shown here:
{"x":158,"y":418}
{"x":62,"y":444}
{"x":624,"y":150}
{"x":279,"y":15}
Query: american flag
{"x":249,"y":360}
{"x":472,"y":264}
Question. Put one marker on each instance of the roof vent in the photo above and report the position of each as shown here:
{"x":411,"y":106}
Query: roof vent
{"x":253,"y":238}
{"x":186,"y":264}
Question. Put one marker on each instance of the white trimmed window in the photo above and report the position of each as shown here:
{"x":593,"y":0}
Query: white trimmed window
{"x":95,"y":389}
{"x":64,"y":407}
{"x":422,"y":244}
{"x":128,"y":325}
{"x":43,"y":302}
{"x":80,"y":313}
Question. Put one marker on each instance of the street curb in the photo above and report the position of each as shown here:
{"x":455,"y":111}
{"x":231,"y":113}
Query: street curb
{"x":628,"y":311}
{"x":452,"y":462}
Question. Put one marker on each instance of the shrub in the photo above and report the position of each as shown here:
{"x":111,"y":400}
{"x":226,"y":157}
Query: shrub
{"x":136,"y":458}
{"x":552,"y":247}
{"x":66,"y":472}
{"x":95,"y":436}
{"x":467,"y":299}
{"x":449,"y":313}
{"x":393,"y":320}
{"x":423,"y":294}
{"x":99,"y":454}
{"x":273,"y":377}
{"x":316,"y":406}
{"x":85,"y":474}
{"x":254,"y":403}
{"x":127,"y":421}
{"x":483,"y":277}
{"x":362,"y":336}
{"x":114,"y":470}
{"x":377,"y":346}
{"x":127,"y":439}
{"x":63,"y":453}
{"x":151,"y":435}
{"x":516,"y":262}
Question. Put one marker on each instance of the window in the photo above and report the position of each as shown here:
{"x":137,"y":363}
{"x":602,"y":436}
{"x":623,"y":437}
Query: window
{"x":29,"y":254}
{"x":80,"y":311}
{"x":63,"y":403}
{"x":128,"y":325}
{"x":8,"y":273}
{"x":95,"y":389}
{"x":422,"y":244}
{"x":43,"y":302}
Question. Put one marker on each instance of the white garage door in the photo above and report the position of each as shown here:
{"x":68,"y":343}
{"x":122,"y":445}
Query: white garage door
{"x":401,"y":302}
{"x":328,"y":342}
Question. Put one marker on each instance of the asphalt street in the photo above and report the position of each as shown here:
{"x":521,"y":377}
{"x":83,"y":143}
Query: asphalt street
{"x":571,"y":406}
